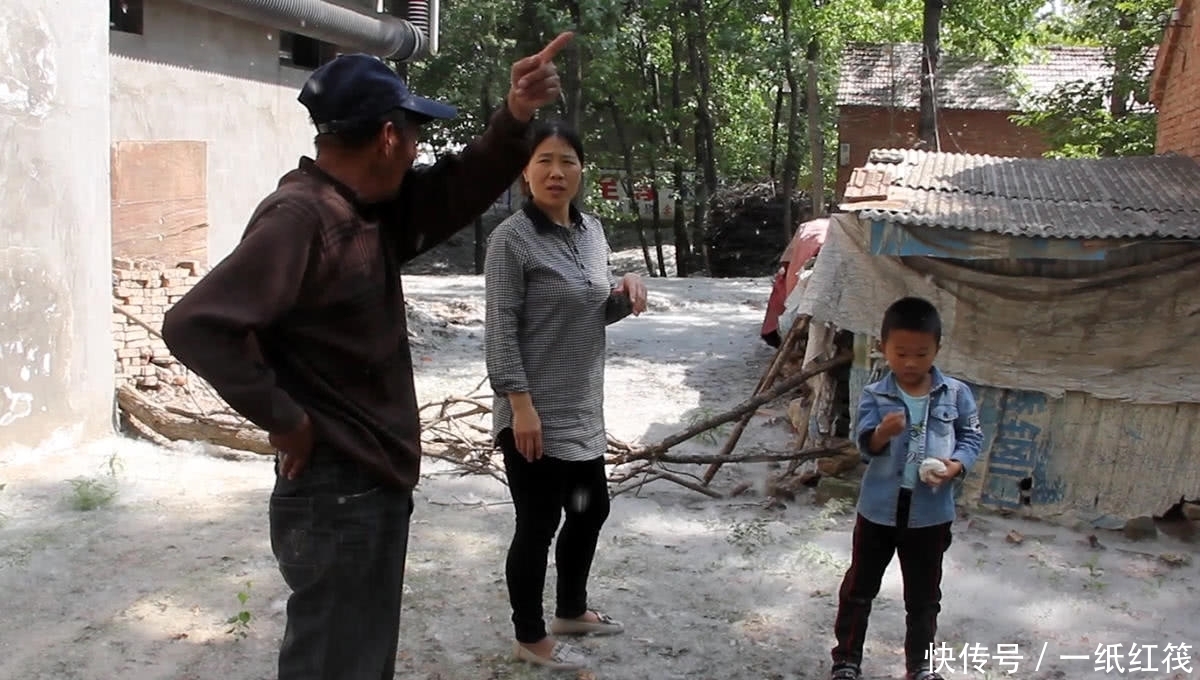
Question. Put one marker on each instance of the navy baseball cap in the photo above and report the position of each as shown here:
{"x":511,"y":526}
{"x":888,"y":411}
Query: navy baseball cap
{"x":358,"y":88}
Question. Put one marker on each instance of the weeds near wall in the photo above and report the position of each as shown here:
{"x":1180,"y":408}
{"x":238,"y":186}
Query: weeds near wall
{"x":93,"y":493}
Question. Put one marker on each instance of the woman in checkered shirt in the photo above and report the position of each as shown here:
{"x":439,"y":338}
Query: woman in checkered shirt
{"x":550,"y":296}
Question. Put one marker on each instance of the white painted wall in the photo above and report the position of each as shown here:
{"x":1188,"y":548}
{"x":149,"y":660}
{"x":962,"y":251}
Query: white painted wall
{"x":56,"y":366}
{"x":200,"y":75}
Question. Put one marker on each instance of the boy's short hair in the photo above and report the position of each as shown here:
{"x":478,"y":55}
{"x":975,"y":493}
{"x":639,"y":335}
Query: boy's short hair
{"x":912,"y":314}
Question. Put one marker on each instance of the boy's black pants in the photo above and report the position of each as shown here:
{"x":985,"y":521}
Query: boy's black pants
{"x":542,"y":492}
{"x":921,"y":552}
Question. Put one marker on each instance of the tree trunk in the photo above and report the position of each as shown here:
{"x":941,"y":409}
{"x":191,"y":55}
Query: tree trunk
{"x":627,"y":154}
{"x":657,"y":107}
{"x":193,"y":427}
{"x":572,"y":77}
{"x":704,"y":104}
{"x":705,"y":152}
{"x":528,"y":37}
{"x":775,"y":133}
{"x":657,"y":137}
{"x":480,"y":245}
{"x":931,"y":52}
{"x":656,"y":219}
{"x":485,"y":111}
{"x":1122,"y":85}
{"x":683,"y":248}
{"x":791,"y":162}
{"x":699,"y":202}
{"x":816,"y":140}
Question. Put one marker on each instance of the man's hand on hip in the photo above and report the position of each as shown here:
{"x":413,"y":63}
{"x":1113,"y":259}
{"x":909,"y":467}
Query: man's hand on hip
{"x":295,"y":448}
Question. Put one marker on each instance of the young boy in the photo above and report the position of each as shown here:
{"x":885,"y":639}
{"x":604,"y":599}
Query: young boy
{"x":912,"y":414}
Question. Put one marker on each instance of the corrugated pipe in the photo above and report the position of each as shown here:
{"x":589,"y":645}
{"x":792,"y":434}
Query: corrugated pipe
{"x":380,"y":34}
{"x":424,"y":15}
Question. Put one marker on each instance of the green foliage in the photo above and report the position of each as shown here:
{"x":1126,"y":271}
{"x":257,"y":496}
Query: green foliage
{"x":730,"y":60}
{"x":239,"y":623}
{"x":1078,"y":123}
{"x":91,"y":493}
{"x":1111,"y":117}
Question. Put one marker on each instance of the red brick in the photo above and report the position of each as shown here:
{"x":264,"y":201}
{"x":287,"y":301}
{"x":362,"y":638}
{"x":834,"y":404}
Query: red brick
{"x":1179,"y":109}
{"x":977,"y":132}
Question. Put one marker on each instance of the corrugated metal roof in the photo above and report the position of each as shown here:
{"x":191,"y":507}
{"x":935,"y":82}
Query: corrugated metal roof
{"x":890,"y":75}
{"x":1144,"y":196}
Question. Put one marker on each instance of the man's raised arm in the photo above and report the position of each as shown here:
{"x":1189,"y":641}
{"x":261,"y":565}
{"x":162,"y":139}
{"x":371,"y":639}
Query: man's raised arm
{"x":438,"y":201}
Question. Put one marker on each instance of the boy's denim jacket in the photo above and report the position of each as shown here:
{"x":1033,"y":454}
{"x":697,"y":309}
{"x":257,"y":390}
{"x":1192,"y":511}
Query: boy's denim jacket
{"x":952,"y":431}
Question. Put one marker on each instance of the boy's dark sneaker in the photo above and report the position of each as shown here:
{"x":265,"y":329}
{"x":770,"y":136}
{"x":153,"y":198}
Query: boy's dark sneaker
{"x":924,"y":675}
{"x":845,"y":672}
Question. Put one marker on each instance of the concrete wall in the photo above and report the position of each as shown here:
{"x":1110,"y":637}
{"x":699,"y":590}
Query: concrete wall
{"x":56,"y":368}
{"x":203,"y":76}
{"x":982,"y":132}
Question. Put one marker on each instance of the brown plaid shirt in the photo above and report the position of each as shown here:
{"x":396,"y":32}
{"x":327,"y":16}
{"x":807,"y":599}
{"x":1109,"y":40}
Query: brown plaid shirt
{"x":315,"y":284}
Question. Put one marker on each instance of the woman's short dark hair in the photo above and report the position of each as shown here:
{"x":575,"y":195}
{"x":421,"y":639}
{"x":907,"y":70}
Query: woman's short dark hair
{"x":542,"y":130}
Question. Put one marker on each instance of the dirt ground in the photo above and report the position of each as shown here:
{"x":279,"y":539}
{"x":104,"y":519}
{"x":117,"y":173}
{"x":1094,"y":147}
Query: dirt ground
{"x":142,"y":586}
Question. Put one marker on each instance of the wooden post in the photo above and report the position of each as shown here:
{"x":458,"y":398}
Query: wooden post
{"x":764,"y":383}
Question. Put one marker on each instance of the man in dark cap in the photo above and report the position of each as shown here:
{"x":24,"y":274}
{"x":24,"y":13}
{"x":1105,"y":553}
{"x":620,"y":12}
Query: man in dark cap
{"x":302,"y":330}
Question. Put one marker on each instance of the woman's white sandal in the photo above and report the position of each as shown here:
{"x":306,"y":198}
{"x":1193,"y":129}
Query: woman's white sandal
{"x":564,"y":657}
{"x":605,"y":626}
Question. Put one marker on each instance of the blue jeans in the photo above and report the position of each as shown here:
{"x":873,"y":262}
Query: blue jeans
{"x":340,"y":540}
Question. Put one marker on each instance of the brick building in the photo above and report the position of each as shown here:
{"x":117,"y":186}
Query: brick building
{"x":879,"y":93}
{"x":1175,"y":90}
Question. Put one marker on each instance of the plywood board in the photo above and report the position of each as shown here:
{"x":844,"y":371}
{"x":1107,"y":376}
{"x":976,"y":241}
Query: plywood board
{"x":153,"y":170}
{"x":159,"y":199}
{"x":161,"y":230}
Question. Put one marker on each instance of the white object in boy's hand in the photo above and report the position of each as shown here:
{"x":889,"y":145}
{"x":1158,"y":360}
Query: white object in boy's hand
{"x":930,"y":469}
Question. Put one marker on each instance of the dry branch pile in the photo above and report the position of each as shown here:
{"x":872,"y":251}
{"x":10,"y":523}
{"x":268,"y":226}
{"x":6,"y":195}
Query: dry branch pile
{"x":457,"y":429}
{"x":745,"y":236}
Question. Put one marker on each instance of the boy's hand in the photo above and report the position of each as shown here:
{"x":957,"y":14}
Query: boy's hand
{"x":953,"y":469}
{"x":892,"y":425}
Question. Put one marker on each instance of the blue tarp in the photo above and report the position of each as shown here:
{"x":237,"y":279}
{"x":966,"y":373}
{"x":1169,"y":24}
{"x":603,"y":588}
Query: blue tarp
{"x":909,"y":240}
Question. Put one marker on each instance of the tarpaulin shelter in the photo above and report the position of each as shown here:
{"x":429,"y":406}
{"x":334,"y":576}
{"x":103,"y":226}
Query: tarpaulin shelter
{"x":803,"y":247}
{"x":1068,"y":295}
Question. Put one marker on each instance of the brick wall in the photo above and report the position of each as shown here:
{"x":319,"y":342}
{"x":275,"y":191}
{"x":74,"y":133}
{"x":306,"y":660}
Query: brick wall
{"x":1177,"y":87}
{"x":146,"y":289}
{"x":978,"y":132}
